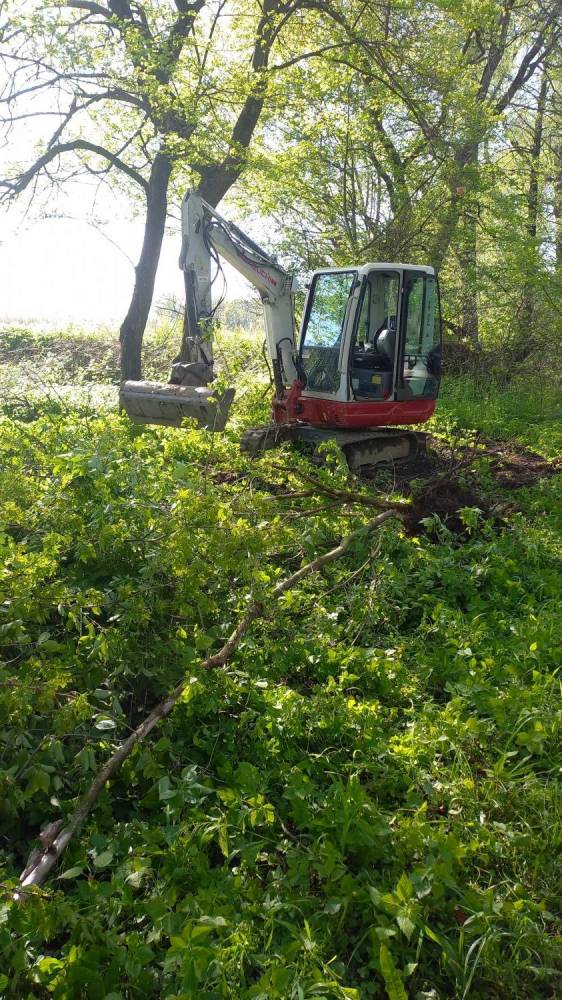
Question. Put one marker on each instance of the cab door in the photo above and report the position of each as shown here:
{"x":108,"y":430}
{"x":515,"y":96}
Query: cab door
{"x":324,"y":325}
{"x":419,"y":355}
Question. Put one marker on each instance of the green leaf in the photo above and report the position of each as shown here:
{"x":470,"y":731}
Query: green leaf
{"x":50,"y":964}
{"x":406,"y":925}
{"x":38,"y":782}
{"x":374,"y":894}
{"x":404,"y":889}
{"x":392,"y":978}
{"x":71,"y":872}
{"x":103,"y":722}
{"x":223,"y":839}
{"x":332,"y":906}
{"x":165,"y":791}
{"x":212,"y":921}
{"x":200,"y":931}
{"x":178,"y":943}
{"x":104,"y":859}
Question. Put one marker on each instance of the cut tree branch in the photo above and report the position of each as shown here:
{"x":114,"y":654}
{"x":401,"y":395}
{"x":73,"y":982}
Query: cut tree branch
{"x":37,"y":871}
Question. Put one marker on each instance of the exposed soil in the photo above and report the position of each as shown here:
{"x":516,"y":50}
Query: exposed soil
{"x":225,"y":477}
{"x":511,"y":465}
{"x":446,"y":499}
{"x":443,"y":483}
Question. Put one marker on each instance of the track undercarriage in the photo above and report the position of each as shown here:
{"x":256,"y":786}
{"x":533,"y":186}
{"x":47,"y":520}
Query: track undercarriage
{"x":363,"y":450}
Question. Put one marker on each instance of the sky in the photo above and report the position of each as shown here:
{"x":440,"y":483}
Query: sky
{"x":63,"y":270}
{"x":56,"y":266}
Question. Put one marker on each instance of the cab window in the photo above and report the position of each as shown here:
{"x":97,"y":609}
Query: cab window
{"x":323,"y":329}
{"x":421,"y":369}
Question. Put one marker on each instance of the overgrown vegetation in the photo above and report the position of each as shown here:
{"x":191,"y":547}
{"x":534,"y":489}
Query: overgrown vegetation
{"x":366,"y":802}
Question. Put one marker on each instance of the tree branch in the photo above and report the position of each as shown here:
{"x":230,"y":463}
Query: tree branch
{"x":44,"y":861}
{"x":16,"y":187}
{"x":531,"y":60}
{"x":90,"y":6}
{"x":310,"y":55}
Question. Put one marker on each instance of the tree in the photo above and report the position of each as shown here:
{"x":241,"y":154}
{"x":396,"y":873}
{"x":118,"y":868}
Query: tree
{"x":148,"y":82}
{"x":557,"y":205}
{"x":533,"y":207}
{"x":372,"y":145}
{"x":408,"y":162}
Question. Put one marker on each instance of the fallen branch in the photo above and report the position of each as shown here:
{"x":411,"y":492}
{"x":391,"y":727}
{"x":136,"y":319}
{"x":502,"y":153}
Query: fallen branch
{"x":365,"y":500}
{"x":46,"y":857}
{"x":344,"y":496}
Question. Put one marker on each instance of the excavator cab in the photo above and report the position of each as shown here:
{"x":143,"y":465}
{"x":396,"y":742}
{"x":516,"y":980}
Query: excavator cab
{"x":371,"y":336}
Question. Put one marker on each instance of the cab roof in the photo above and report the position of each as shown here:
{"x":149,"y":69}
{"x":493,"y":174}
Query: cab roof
{"x":386,"y":266}
{"x":378,"y":266}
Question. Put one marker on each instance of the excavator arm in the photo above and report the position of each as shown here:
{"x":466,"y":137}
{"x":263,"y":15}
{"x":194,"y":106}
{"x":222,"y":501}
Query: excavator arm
{"x":206,"y":238}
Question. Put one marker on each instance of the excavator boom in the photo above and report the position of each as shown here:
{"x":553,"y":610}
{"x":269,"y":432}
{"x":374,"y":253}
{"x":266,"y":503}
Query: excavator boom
{"x":207,"y":236}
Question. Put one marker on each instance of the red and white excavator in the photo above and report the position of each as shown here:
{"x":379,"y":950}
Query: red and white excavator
{"x":366,"y":365}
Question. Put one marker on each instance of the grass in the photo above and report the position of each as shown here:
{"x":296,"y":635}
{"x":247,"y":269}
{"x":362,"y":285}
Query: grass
{"x":525,"y":411}
{"x":367,"y":803}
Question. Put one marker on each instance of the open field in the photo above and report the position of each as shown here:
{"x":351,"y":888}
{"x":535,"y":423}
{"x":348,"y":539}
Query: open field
{"x":367,"y":801}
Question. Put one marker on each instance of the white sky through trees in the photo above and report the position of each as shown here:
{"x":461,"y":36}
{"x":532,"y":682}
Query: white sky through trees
{"x":67,"y":253}
{"x":64,"y":269}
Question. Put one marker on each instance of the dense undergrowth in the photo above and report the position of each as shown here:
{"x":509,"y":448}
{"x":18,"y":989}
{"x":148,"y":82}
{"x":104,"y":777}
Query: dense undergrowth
{"x":366,"y":803}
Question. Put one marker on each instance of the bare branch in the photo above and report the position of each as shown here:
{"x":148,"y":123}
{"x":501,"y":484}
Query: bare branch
{"x":529,"y":63}
{"x":15,"y":187}
{"x":310,"y":55}
{"x":89,"y":5}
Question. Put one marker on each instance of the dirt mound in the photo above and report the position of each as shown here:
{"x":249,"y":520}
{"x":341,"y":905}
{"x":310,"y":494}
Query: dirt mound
{"x":511,"y":466}
{"x":444,"y":481}
{"x":445,"y":499}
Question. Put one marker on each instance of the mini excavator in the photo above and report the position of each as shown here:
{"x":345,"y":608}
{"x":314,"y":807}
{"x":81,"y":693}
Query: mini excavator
{"x":366,"y":367}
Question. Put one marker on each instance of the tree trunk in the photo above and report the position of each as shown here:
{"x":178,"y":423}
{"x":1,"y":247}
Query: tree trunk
{"x":134,"y":324}
{"x":526,"y":312}
{"x":557,"y":206}
{"x":468,"y":257}
{"x":458,"y":187}
{"x":469,"y":276}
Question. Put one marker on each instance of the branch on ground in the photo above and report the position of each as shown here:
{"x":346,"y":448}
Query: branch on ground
{"x":45,"y":858}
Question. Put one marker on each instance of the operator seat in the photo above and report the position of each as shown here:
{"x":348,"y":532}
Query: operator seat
{"x":384,"y":340}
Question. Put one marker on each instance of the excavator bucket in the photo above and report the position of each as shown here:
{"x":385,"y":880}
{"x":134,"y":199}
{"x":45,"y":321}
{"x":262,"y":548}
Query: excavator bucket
{"x":161,"y":403}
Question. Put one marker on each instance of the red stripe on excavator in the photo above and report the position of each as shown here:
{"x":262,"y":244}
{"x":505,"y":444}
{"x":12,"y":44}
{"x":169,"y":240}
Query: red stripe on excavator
{"x":357,"y":415}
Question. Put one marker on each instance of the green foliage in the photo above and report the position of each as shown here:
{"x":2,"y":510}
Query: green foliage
{"x":528,"y":409}
{"x":419,"y":136}
{"x":365,"y":803}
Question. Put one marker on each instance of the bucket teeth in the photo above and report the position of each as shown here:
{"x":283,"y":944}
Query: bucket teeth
{"x":161,"y":403}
